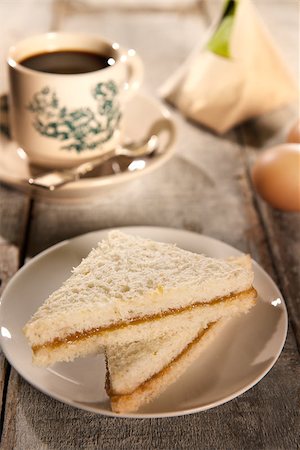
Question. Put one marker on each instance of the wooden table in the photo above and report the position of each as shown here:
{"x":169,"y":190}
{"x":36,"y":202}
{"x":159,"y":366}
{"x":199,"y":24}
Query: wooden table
{"x":205,"y":188}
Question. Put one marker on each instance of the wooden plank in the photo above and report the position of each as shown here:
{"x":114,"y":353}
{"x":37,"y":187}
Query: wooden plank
{"x":8,"y":265}
{"x":14,"y":213}
{"x":19,"y":19}
{"x":284,"y":242}
{"x":282,"y":229}
{"x":204,"y":188}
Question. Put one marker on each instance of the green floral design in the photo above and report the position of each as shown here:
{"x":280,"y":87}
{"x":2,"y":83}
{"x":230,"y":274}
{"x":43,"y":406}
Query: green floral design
{"x":79,"y":129}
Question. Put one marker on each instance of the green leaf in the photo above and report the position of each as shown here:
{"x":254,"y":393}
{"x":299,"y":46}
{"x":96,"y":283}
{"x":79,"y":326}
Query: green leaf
{"x":219,"y":43}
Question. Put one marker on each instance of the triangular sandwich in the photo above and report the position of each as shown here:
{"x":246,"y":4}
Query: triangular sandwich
{"x":129,"y":287}
{"x":137,"y":373}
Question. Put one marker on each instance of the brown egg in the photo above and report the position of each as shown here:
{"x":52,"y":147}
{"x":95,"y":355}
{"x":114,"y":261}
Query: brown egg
{"x":276,"y":176}
{"x":294,"y":134}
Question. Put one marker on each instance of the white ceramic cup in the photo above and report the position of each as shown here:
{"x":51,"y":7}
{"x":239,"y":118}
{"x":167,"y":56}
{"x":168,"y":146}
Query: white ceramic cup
{"x":61,"y":120}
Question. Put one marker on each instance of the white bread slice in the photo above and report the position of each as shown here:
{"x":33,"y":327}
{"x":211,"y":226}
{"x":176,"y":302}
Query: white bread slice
{"x":125,"y":279}
{"x":159,"y":364}
{"x":196,"y":317}
{"x":132,"y":364}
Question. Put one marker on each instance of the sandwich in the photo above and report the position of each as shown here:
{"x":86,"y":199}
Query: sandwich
{"x":137,"y":373}
{"x":129,"y":289}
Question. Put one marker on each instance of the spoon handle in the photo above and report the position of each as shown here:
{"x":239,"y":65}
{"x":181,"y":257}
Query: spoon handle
{"x":55,"y":179}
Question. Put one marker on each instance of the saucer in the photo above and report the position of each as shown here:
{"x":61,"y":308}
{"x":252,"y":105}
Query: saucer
{"x":140,"y":112}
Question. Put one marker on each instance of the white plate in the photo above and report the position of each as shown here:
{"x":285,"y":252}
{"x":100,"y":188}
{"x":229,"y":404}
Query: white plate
{"x":240,"y":356}
{"x":140,"y":113}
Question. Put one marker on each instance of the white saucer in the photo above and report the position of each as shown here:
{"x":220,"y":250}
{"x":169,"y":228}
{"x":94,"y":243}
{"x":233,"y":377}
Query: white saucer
{"x":140,"y":112}
{"x":239,"y":357}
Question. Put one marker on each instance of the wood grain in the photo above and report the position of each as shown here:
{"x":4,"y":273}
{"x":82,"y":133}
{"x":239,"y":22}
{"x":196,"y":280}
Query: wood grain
{"x":19,"y":19}
{"x":205,"y":188}
{"x":282,"y":229}
{"x":13,"y":227}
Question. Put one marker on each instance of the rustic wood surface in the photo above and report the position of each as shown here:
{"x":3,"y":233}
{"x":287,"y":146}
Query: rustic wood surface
{"x":205,"y":188}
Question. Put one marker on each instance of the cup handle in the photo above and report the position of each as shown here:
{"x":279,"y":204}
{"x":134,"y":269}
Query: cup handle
{"x":135,"y":72}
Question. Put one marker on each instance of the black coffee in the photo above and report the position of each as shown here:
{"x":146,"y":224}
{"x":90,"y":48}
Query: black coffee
{"x":66,"y":62}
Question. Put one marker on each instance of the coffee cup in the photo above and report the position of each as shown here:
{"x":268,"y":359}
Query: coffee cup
{"x":67,"y":96}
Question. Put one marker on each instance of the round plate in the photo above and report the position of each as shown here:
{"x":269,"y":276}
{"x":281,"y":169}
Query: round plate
{"x":140,"y":112}
{"x":243,"y":352}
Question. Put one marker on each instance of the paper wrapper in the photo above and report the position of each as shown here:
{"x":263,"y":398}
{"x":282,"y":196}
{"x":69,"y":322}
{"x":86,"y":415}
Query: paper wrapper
{"x":221,"y":92}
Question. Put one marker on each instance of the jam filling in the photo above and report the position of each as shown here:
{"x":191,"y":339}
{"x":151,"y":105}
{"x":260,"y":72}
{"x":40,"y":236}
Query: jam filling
{"x":81,"y":335}
{"x":143,"y":386}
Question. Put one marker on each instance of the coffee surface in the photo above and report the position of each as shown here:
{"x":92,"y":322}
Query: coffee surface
{"x":66,"y":62}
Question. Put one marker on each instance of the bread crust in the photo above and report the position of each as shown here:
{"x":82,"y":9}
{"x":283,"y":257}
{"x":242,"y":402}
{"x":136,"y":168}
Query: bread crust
{"x":159,"y":382}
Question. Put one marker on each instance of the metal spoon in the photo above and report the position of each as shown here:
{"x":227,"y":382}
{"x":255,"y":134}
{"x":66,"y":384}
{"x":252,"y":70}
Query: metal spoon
{"x":150,"y":144}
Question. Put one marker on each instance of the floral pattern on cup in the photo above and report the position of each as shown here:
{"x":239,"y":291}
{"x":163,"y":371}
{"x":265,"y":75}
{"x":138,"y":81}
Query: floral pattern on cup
{"x":79,"y":129}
